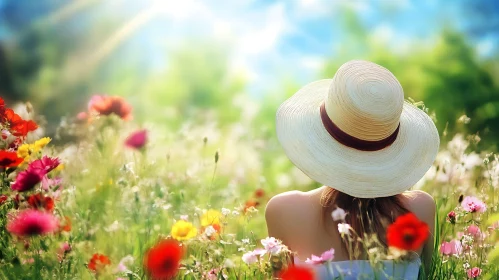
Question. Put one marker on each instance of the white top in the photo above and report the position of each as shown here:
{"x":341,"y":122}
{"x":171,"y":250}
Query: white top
{"x":362,"y":269}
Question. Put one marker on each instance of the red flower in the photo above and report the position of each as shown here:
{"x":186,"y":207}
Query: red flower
{"x":107,"y":105}
{"x":3,"y":197}
{"x":451,"y":217}
{"x":259,"y":193}
{"x":407,"y":232}
{"x":17,"y":125}
{"x":40,"y":201}
{"x":46,"y":164}
{"x":32,"y":222}
{"x":162,"y":261}
{"x":137,"y":140}
{"x":98,"y":262}
{"x":297,"y":273}
{"x":27,"y":179}
{"x":9,"y":159}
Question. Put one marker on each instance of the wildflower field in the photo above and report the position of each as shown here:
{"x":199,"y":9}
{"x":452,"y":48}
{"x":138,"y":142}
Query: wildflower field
{"x":115,"y":200}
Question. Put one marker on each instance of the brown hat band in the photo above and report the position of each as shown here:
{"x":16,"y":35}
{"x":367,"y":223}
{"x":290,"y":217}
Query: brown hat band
{"x":351,"y":141}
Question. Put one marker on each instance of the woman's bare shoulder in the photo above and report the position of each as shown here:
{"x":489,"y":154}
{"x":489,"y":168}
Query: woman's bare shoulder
{"x":282,"y":212}
{"x":284,"y":202}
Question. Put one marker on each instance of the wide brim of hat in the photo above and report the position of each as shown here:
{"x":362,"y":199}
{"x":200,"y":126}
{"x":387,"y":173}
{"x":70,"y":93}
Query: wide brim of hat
{"x":364,"y":174}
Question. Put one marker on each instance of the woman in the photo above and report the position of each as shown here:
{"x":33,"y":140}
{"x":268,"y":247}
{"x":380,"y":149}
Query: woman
{"x":357,"y":136}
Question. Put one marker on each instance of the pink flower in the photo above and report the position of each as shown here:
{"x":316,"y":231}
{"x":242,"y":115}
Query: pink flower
{"x":82,"y":116}
{"x":327,"y":256}
{"x":124,"y":262}
{"x":46,"y":164}
{"x":453,"y":247}
{"x":474,"y":272}
{"x":137,"y":140}
{"x":252,"y":257}
{"x":249,"y":258}
{"x":474,"y":231}
{"x":32,"y":222}
{"x":314,"y":260}
{"x":54,"y":184}
{"x":473,"y":204}
{"x":63,"y":250}
{"x":271,"y":245}
{"x":213,"y":274}
{"x":27,"y":179}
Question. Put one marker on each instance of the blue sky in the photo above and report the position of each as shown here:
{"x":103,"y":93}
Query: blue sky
{"x":281,"y":38}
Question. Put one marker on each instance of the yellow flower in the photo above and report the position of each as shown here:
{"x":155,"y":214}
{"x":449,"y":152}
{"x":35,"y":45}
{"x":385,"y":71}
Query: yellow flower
{"x":42,"y":142}
{"x":183,"y":230}
{"x":23,"y":151}
{"x":60,"y":167}
{"x":211,"y":217}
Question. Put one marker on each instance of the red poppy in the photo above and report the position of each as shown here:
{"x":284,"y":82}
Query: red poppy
{"x":407,"y":232}
{"x":2,"y":108}
{"x":259,"y":193}
{"x":40,"y":201}
{"x":9,"y":159}
{"x":98,"y":262}
{"x":3,"y":198}
{"x":162,"y":261}
{"x":107,"y":105}
{"x":17,"y":125}
{"x":297,"y":273}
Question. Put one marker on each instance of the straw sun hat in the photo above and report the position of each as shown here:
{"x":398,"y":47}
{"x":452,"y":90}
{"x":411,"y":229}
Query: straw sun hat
{"x":355,"y":132}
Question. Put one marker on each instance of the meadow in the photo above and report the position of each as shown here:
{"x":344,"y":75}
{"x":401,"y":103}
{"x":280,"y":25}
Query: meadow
{"x":118,"y":200}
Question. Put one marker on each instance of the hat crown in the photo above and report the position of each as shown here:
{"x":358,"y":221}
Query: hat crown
{"x":365,"y":100}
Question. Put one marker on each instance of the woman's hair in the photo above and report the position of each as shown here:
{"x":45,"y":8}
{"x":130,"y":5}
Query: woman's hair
{"x":366,"y":216}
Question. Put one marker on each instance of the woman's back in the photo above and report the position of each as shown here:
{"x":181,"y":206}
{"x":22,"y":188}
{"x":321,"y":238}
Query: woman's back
{"x":296,"y":219}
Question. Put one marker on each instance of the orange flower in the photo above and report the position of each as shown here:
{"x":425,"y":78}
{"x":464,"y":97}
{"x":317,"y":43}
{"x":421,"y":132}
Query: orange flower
{"x":98,"y":262}
{"x":249,"y":204}
{"x":407,"y":232}
{"x":107,"y":105}
{"x":66,"y":226}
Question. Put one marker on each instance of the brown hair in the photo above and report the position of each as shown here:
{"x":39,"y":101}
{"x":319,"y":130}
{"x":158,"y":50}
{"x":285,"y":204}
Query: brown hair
{"x":366,"y":216}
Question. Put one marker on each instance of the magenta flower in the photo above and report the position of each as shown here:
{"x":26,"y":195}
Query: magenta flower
{"x":473,"y":204}
{"x":137,"y":140}
{"x":32,"y":222}
{"x":453,"y":247}
{"x":46,"y":163}
{"x":27,"y":179}
{"x":474,"y":272}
